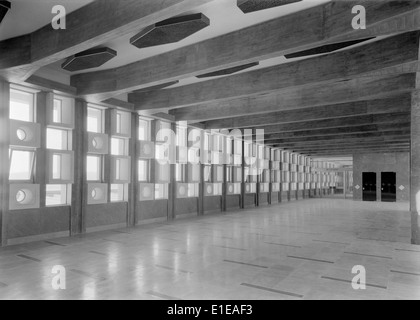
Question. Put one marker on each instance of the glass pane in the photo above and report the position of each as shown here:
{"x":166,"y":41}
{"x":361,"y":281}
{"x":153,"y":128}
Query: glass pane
{"x":56,"y":195}
{"x":21,"y":163}
{"x":144,"y":130}
{"x":57,"y":111}
{"x":94,"y":120}
{"x":143,"y":171}
{"x":21,"y":106}
{"x":118,"y":147}
{"x":57,"y":139}
{"x":93,"y":168}
{"x":161,"y":191}
{"x":118,"y":127}
{"x":117,"y":192}
{"x":56,"y":166}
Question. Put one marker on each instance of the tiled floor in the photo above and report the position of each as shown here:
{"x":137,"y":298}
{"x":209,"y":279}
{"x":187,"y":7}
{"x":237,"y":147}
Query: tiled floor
{"x":298,"y":250}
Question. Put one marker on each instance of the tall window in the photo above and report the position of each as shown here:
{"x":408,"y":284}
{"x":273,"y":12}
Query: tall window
{"x":59,"y":138}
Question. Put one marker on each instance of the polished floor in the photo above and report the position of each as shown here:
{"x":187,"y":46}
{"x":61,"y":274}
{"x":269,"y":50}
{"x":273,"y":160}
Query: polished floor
{"x":297,"y":250}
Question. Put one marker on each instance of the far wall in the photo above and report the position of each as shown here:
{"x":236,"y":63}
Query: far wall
{"x":382,"y":162}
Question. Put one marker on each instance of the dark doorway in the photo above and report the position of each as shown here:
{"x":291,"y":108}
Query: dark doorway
{"x":369,"y":186}
{"x":388,"y":187}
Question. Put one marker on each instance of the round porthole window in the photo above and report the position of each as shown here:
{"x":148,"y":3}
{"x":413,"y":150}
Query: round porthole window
{"x":96,"y":194}
{"x":20,"y":196}
{"x":230,"y":189}
{"x":21,"y":134}
{"x":209,"y":189}
{"x":97,"y":143}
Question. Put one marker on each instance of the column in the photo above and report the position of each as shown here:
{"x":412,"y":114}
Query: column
{"x":4,"y":158}
{"x":415,"y":167}
{"x":78,"y":197}
{"x":133,"y":186}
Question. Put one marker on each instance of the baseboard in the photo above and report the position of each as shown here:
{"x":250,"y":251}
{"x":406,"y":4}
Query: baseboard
{"x":107,"y":227}
{"x":150,"y":221}
{"x":40,"y":237}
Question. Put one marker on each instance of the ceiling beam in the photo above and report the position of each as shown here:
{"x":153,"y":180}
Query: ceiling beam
{"x":379,"y":106}
{"x":360,"y":145}
{"x":342,"y":142}
{"x":351,"y":153}
{"x":390,"y":52}
{"x":362,"y":136}
{"x":338,"y":131}
{"x":352,"y":121}
{"x":297,"y":98}
{"x":92,"y":25}
{"x":47,"y":84}
{"x":326,"y":23}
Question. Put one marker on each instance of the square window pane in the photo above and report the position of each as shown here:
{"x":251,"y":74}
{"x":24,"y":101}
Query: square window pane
{"x":118,"y":147}
{"x":56,"y":195}
{"x":57,"y":139}
{"x":117,"y":192}
{"x":94,"y":120}
{"x":22,"y":105}
{"x":93,"y":168}
{"x":161,"y":191}
{"x":21,"y":164}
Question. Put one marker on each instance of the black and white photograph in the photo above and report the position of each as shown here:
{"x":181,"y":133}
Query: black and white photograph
{"x":210,"y":158}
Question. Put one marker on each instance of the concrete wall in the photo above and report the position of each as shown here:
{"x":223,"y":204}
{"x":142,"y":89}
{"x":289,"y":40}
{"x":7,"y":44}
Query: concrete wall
{"x":382,"y":162}
{"x":233,"y":202}
{"x":263,"y":200}
{"x":212,"y":204}
{"x":103,"y":216}
{"x":36,"y":224}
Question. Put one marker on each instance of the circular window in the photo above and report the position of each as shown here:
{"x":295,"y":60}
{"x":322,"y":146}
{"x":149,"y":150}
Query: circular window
{"x":209,"y":189}
{"x":96,"y":194}
{"x":182,"y":190}
{"x":20,"y":196}
{"x":21,"y":134}
{"x":231,"y":189}
{"x":97,"y":143}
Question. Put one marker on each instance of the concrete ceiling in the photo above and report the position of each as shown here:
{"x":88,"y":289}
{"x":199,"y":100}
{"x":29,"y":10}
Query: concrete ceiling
{"x":224,"y":16}
{"x":27,"y":16}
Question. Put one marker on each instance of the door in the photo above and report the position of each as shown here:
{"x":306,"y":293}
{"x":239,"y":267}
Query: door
{"x":369,"y":186}
{"x":388,"y":187}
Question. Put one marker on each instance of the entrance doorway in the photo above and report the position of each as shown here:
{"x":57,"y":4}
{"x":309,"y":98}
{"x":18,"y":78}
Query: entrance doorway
{"x":388,"y":187}
{"x":369,"y":186}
